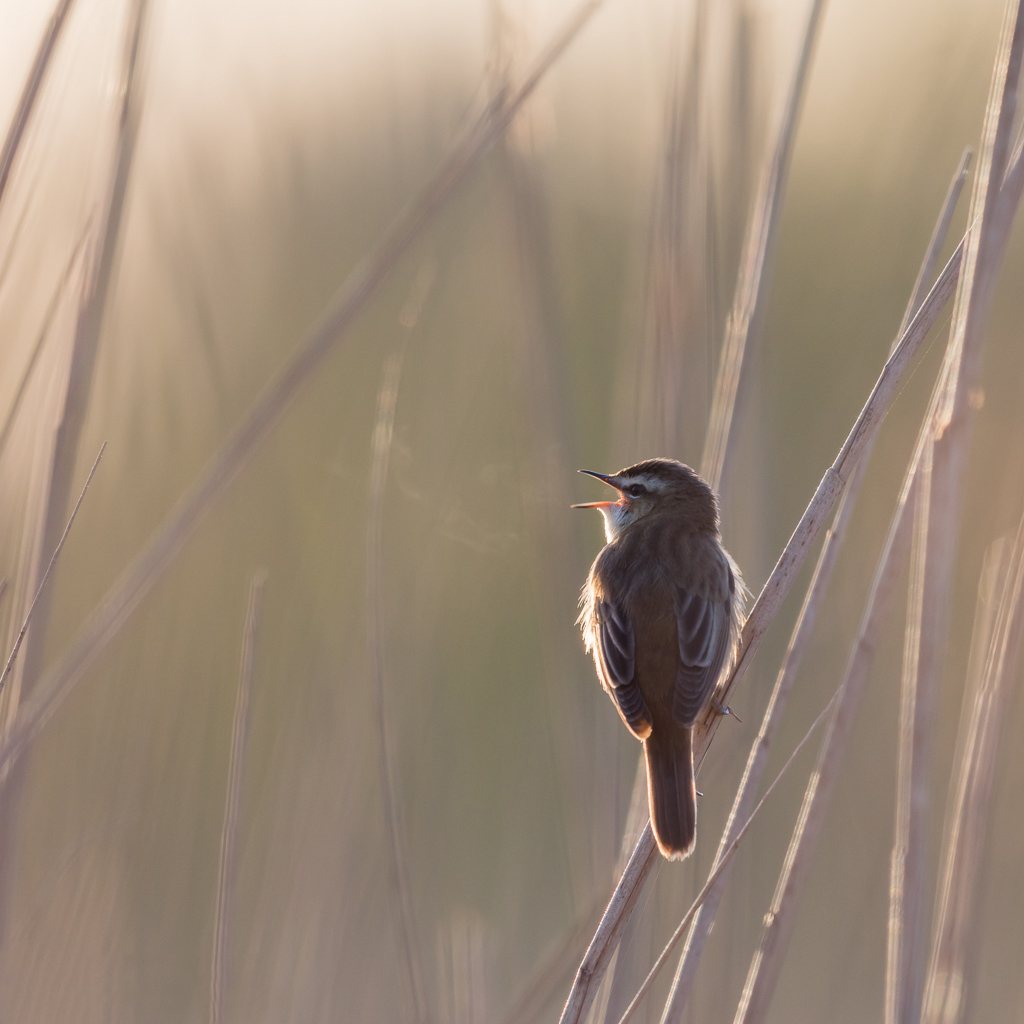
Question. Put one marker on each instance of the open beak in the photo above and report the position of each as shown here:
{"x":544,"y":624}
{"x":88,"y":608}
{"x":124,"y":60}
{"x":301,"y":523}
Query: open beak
{"x":597,"y":504}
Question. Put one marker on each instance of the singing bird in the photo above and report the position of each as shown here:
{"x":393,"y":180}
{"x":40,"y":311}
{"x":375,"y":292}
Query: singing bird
{"x":662,"y":611}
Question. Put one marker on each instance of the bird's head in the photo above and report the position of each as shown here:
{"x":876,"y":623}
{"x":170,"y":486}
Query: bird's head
{"x":656,"y":486}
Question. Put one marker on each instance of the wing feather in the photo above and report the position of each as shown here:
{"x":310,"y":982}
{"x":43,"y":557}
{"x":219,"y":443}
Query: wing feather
{"x":703,"y":628}
{"x":615,"y":647}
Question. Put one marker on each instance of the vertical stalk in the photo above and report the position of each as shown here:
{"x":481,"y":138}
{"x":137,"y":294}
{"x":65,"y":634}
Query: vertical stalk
{"x":117,"y":606}
{"x":757,"y":760}
{"x":973,"y":300}
{"x":92,"y":304}
{"x":937,"y":528}
{"x":394,"y":832}
{"x":994,"y":657}
{"x":582,"y":777}
{"x":774,"y":592}
{"x":745,"y":319}
{"x":222,"y":925}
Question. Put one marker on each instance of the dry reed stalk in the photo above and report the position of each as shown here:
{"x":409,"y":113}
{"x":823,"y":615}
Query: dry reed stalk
{"x":37,"y":346}
{"x":81,"y":362}
{"x":617,"y":985}
{"x":937,"y":527}
{"x":92,"y":305}
{"x":767,"y":962}
{"x":380,"y":454}
{"x":551,"y":446}
{"x":744,"y":322}
{"x":30,"y":91}
{"x":49,"y":568}
{"x":999,"y":625}
{"x":669,"y":400}
{"x":124,"y":597}
{"x":757,"y":760}
{"x":721,"y":864}
{"x":222,"y":931}
{"x":761,"y":616}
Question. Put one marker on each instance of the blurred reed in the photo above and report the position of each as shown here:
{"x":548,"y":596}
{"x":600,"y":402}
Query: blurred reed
{"x":772,"y":595}
{"x":543,"y":983}
{"x":753,"y":280}
{"x":297,"y":958}
{"x":462,"y":952}
{"x":548,"y":462}
{"x":80,"y":359}
{"x":394,"y":831}
{"x":30,"y":91}
{"x":766,"y":965}
{"x":937,"y":523}
{"x":803,"y":629}
{"x":995,"y":655}
{"x":227,"y":869}
{"x":670,"y":365}
{"x":59,"y":293}
{"x":115,"y":609}
{"x":722,"y":863}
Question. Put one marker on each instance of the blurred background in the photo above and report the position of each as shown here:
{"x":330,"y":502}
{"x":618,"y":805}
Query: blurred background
{"x":521,"y":337}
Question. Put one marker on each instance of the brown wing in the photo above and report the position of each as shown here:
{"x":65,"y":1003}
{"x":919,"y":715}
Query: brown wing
{"x":703,"y":629}
{"x":615,"y":647}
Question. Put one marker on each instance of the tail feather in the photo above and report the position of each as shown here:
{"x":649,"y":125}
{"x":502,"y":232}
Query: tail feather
{"x":671,"y":793}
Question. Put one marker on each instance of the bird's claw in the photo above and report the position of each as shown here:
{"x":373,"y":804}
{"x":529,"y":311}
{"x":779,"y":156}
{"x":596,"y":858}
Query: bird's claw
{"x":725,"y":710}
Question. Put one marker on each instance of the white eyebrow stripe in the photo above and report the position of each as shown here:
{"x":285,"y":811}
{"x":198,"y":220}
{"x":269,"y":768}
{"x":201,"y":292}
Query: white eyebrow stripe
{"x":652,"y":483}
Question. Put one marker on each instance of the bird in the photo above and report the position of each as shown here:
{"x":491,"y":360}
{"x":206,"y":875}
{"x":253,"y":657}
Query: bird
{"x":661,"y":613}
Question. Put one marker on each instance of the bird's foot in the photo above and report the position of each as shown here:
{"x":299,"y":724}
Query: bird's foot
{"x":725,"y":710}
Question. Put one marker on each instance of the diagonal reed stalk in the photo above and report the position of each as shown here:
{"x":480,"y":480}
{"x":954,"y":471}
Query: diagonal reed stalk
{"x":742,"y":327}
{"x":721,"y":865}
{"x":124,"y":597}
{"x":767,"y":962}
{"x":973,"y":298}
{"x":757,"y":760}
{"x":49,"y":569}
{"x":774,"y":592}
{"x":747,"y":314}
{"x":30,"y":91}
{"x":995,"y":652}
{"x":936,"y":530}
{"x":222,"y":924}
{"x":380,"y":454}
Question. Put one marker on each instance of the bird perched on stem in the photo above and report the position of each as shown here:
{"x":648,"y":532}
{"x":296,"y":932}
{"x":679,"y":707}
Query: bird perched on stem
{"x":662,"y":613}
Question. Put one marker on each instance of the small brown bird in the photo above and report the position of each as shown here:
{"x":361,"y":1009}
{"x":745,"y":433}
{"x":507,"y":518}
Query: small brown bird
{"x":662,"y":613}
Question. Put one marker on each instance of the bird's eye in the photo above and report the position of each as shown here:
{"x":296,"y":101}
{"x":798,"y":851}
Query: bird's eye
{"x":636,"y":490}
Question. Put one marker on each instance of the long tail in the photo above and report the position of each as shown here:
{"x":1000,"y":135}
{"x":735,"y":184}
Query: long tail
{"x":671,"y":793}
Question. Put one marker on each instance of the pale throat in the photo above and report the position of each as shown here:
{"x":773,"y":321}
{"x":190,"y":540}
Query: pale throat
{"x":616,"y":519}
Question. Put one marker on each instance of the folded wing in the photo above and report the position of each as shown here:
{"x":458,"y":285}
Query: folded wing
{"x":703,"y":628}
{"x":615,"y":646}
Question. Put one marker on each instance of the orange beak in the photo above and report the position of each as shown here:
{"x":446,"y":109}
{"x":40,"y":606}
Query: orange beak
{"x":597,"y":504}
